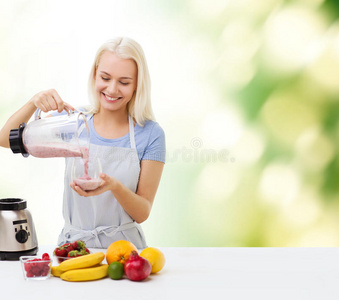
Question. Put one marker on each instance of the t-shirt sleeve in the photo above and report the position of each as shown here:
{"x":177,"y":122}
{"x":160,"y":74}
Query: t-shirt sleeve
{"x":156,"y":146}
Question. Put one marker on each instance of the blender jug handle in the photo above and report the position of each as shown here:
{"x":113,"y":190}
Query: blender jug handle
{"x":38,"y":112}
{"x":79,"y":129}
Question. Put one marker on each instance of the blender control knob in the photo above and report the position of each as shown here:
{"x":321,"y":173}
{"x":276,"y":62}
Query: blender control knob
{"x":21,"y":236}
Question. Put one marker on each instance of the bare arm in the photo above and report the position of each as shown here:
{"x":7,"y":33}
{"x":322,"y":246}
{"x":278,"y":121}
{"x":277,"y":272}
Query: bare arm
{"x":138,"y":205}
{"x":22,"y":115}
{"x":45,"y":100}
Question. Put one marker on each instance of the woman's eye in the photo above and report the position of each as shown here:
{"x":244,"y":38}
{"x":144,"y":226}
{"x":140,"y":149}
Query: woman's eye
{"x":124,"y":83}
{"x":105,"y":78}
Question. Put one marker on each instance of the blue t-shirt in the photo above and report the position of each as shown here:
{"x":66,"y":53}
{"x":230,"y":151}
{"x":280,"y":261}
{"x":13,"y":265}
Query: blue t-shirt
{"x":149,"y":140}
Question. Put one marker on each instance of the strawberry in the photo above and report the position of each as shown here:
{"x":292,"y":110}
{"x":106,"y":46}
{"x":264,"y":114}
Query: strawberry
{"x":78,"y":245}
{"x":77,"y":248}
{"x":60,"y":251}
{"x":68,"y":247}
{"x":74,"y":253}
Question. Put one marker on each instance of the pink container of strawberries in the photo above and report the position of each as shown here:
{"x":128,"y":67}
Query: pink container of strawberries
{"x":35,"y":268}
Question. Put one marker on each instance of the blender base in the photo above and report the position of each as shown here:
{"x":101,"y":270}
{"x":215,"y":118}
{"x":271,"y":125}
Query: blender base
{"x":15,"y":255}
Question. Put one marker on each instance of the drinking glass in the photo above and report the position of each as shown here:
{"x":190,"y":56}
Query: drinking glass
{"x":85,"y":173}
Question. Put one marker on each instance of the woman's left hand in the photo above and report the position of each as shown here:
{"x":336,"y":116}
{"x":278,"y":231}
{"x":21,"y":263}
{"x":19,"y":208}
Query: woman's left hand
{"x":107,"y":184}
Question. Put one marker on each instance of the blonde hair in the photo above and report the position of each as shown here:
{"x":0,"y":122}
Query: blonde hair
{"x":139,"y":107}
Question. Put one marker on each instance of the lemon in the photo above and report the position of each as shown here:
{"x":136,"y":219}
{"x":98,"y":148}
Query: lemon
{"x":155,"y":257}
{"x":115,"y":270}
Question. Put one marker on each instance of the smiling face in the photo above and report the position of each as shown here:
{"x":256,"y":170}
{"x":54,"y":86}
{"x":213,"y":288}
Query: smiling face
{"x":115,"y":81}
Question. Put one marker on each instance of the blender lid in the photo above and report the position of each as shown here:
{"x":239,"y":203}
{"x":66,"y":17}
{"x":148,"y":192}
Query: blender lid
{"x":15,"y":140}
{"x":12,"y":204}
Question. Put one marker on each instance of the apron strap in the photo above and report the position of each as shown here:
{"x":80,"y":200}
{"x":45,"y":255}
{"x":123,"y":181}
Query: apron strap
{"x":131,"y":132}
{"x":87,"y":235}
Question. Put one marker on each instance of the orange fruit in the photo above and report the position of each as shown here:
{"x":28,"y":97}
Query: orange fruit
{"x":119,"y":251}
{"x":155,"y":257}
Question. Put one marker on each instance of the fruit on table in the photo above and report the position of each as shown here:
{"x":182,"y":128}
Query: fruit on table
{"x":155,"y":257}
{"x":38,"y":269}
{"x":85,"y":274}
{"x":115,"y":270}
{"x":61,"y":251}
{"x":136,"y":267}
{"x":56,"y":271}
{"x":76,"y":253}
{"x":74,"y":249}
{"x":119,"y":251}
{"x":80,"y":262}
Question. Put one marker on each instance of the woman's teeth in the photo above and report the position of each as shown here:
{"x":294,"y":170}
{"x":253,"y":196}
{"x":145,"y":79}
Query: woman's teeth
{"x":111,"y":98}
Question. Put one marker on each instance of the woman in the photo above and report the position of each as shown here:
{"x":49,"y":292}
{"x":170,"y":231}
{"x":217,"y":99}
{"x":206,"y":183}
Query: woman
{"x":129,"y":144}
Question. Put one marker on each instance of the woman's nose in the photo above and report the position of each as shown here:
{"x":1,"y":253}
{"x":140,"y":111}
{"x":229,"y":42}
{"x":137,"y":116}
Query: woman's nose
{"x":113,"y":88}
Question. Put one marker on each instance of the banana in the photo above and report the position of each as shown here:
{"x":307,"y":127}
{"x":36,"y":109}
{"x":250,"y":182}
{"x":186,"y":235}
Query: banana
{"x":81,"y":262}
{"x":56,"y":271}
{"x":86,"y":274}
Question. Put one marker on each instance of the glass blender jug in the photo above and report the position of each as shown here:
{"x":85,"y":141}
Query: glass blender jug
{"x":57,"y":136}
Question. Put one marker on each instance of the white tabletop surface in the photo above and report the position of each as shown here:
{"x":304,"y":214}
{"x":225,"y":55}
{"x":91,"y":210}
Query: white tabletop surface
{"x":200,"y":273}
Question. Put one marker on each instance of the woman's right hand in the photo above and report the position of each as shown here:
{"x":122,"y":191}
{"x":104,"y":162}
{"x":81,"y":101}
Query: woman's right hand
{"x":50,"y":100}
{"x":45,"y":100}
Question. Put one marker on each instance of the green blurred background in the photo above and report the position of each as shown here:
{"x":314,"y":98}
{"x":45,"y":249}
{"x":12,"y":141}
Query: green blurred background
{"x":246,"y":91}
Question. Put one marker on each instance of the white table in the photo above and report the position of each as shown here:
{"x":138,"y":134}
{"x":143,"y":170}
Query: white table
{"x":200,"y":273}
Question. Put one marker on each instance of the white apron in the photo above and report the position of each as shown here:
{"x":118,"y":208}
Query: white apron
{"x":100,"y":220}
